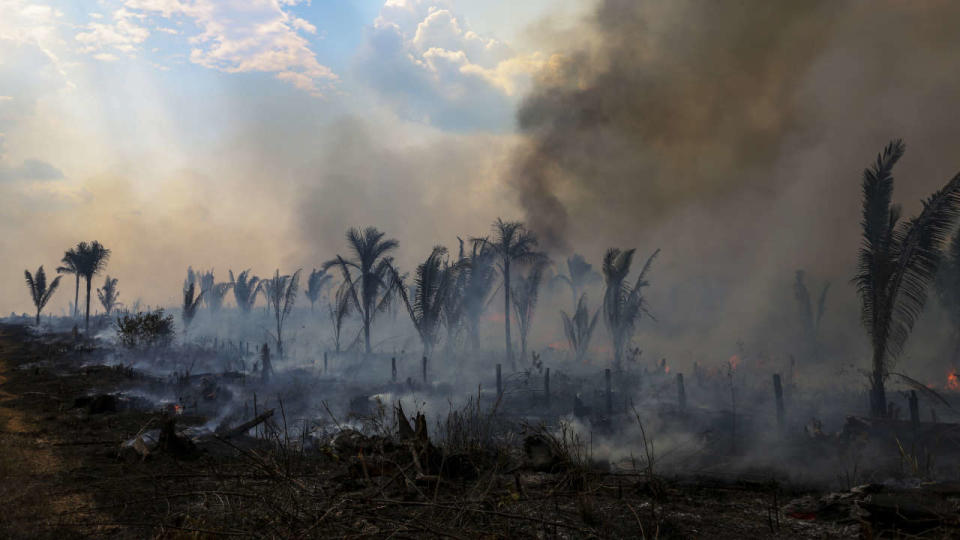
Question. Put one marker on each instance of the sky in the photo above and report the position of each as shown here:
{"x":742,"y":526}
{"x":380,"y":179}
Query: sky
{"x":201,"y":132}
{"x":251,"y":134}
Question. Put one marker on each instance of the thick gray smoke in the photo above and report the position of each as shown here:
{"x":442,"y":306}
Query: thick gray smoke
{"x":733,"y":134}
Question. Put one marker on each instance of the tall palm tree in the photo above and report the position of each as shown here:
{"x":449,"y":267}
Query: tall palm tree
{"x":281,"y":293}
{"x":434,"y":278}
{"x":370,"y":279}
{"x":92,"y":258}
{"x":512,"y":243}
{"x":579,"y":328}
{"x":480,"y":275}
{"x":245,"y":289}
{"x":40,"y":292}
{"x":525,"y":294}
{"x":623,"y":303}
{"x":579,"y":274}
{"x":897,"y":262}
{"x":339,"y":310}
{"x":318,"y":281}
{"x":69,"y":261}
{"x":108,"y":294}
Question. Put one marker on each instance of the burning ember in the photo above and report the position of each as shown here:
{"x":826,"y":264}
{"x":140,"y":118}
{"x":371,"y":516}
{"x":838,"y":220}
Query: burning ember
{"x":953,"y":381}
{"x":734,"y":361}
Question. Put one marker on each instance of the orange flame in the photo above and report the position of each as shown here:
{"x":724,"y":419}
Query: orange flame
{"x":953,"y":381}
{"x":734,"y":361}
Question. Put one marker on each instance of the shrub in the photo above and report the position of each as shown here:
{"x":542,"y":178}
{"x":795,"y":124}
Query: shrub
{"x":145,"y":329}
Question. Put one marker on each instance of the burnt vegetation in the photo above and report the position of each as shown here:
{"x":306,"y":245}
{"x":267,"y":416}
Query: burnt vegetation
{"x":483,"y":394}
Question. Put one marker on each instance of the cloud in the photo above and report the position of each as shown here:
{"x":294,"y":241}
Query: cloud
{"x":123,"y":34}
{"x":29,"y":169}
{"x":419,"y":57}
{"x":245,"y":36}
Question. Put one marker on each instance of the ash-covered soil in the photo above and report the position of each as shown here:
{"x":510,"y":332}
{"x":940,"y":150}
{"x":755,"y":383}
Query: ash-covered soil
{"x":82,"y":455}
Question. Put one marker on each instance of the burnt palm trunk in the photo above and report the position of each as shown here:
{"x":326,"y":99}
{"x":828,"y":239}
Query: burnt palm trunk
{"x":76,"y":296}
{"x":506,"y":311}
{"x":366,"y":333}
{"x":87,"y":322}
{"x":878,"y":394}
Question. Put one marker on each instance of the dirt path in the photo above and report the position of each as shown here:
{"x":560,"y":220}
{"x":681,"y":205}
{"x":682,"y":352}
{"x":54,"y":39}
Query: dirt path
{"x":36,"y":500}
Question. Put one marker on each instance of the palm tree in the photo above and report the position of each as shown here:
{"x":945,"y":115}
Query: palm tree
{"x":191,"y":303}
{"x":433,"y":281}
{"x":207,"y":282}
{"x":897,"y":262}
{"x":480,"y":274}
{"x":579,"y":274}
{"x":39,"y":291}
{"x":525,"y":294}
{"x":948,"y":291}
{"x":281,"y":293}
{"x":318,"y":281}
{"x":372,"y":288}
{"x":69,"y":261}
{"x":245,"y":289}
{"x":338,"y":313}
{"x":108,"y":294}
{"x":91,"y":260}
{"x":623,"y":303}
{"x":810,"y":319}
{"x":579,"y":328}
{"x":512,"y":243}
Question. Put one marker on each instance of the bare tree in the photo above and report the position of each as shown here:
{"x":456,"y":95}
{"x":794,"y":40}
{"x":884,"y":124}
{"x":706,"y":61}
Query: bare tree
{"x":579,"y":328}
{"x":40,"y":292}
{"x":108,"y":294}
{"x":897,"y":262}
{"x":281,"y":293}
{"x":623,"y":303}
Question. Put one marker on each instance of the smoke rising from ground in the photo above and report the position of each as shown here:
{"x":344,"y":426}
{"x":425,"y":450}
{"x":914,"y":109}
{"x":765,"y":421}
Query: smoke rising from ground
{"x":733,"y":136}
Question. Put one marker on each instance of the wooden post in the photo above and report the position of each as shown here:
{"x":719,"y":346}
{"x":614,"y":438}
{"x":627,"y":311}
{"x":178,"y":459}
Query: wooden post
{"x":546,"y":386}
{"x":393,"y":369}
{"x":681,"y":394}
{"x":499,"y":383}
{"x":914,"y":409}
{"x":606,"y":374}
{"x":324,"y":362}
{"x":778,"y":396}
{"x":424,"y":369}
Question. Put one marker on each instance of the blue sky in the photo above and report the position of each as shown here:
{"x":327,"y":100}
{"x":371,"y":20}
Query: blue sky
{"x":128,"y":120}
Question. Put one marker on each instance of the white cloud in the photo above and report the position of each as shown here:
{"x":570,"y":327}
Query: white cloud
{"x":424,"y":60}
{"x":123,"y":34}
{"x":240,"y":36}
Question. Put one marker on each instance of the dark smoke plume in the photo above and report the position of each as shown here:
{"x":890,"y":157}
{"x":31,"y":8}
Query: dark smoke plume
{"x":674,"y":102}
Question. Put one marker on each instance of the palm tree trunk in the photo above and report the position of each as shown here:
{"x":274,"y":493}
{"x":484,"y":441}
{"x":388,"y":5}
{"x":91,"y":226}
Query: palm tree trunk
{"x":76,"y":296}
{"x":506,"y":312}
{"x":878,"y":395}
{"x":366,"y":332}
{"x":87,"y":323}
{"x":38,"y":317}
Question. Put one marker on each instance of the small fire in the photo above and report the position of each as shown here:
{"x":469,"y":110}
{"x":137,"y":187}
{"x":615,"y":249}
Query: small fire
{"x":734,"y":361}
{"x":953,"y":381}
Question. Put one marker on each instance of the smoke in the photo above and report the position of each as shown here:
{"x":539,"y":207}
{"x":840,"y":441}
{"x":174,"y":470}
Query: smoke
{"x":733,"y":136}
